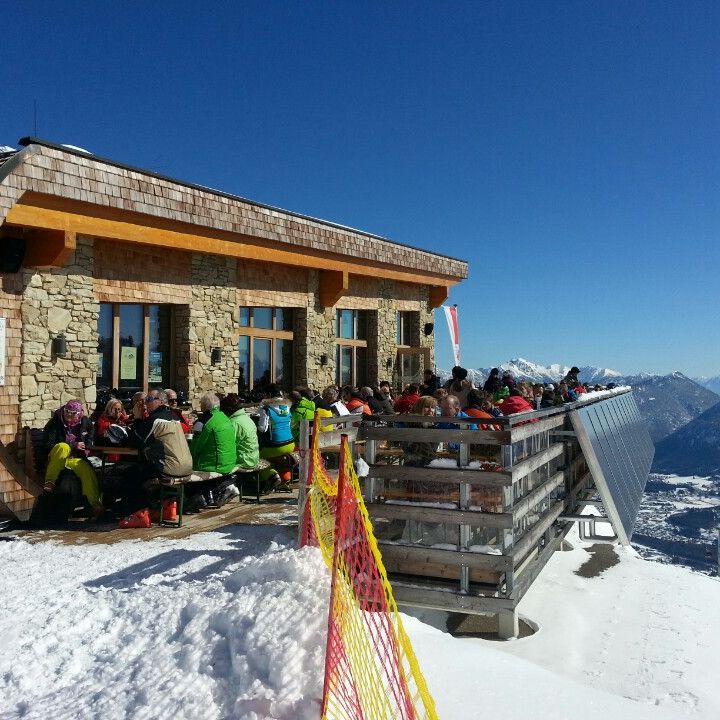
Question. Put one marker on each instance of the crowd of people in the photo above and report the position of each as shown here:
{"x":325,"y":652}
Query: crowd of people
{"x":222,"y":437}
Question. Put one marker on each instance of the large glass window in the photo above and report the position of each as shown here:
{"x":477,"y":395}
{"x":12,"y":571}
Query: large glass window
{"x":134,"y":347}
{"x":266,"y":348}
{"x":411,"y":356}
{"x":351,"y":347}
{"x":407,"y":328}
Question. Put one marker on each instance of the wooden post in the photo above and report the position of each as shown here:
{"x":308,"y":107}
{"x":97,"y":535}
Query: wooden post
{"x":304,"y":444}
{"x":464,"y":530}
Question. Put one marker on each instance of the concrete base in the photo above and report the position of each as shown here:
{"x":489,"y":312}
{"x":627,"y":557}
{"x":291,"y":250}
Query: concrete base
{"x":508,"y":625}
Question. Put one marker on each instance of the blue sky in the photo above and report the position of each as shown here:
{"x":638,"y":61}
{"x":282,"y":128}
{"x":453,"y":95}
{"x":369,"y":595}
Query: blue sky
{"x":568,"y":151}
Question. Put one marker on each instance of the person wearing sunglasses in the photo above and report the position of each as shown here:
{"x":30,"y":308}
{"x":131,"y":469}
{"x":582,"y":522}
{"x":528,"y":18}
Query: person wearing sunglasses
{"x":163,"y":452}
{"x":68,"y":437}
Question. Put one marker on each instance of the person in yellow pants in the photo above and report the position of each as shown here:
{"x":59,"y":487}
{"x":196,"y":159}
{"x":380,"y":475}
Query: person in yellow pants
{"x":61,"y":458}
{"x":68,"y":434}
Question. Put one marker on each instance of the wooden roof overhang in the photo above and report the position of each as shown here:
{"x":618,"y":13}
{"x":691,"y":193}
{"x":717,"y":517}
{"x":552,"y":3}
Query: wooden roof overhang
{"x":52,"y":220}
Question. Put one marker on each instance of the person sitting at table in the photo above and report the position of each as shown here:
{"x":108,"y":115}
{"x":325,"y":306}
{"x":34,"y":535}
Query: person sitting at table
{"x":114,"y":414}
{"x":247,"y":446}
{"x":302,"y":408}
{"x":172,"y":400}
{"x":213,"y":447}
{"x":478,"y":406}
{"x":68,"y":437}
{"x":515,"y":403}
{"x":275,"y":435}
{"x":163,"y":451}
{"x":449,"y":408}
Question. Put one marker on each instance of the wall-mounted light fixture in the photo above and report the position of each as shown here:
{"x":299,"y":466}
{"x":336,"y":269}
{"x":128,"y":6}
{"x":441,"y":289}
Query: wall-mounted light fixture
{"x":429,"y":327}
{"x":389,"y":363}
{"x":216,"y":356}
{"x":59,"y":346}
{"x":324,"y":359}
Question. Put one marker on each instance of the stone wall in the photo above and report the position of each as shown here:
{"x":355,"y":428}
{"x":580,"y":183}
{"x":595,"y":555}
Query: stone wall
{"x":384,"y":346}
{"x":315,"y":335}
{"x":212,"y":323}
{"x":54,"y":302}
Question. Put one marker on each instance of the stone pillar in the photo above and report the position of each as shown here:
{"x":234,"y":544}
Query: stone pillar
{"x":58,"y":301}
{"x":427,"y":315}
{"x":385,"y":339}
{"x":211,"y":322}
{"x":315,"y":335}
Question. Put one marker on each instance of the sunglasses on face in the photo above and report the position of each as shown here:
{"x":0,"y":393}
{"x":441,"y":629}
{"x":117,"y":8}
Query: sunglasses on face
{"x":151,"y":398}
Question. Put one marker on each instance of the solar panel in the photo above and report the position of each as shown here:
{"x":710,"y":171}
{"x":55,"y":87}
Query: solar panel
{"x":618,"y":449}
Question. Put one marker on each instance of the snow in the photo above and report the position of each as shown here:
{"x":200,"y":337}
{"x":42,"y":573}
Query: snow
{"x":231,"y":624}
{"x":700,"y":481}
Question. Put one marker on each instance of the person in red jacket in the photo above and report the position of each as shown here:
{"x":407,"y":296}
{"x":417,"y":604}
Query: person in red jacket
{"x":357,"y":404}
{"x":515,"y":403}
{"x":406,"y":402}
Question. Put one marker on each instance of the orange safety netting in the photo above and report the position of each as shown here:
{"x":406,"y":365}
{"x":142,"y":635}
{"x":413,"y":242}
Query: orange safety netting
{"x":371,"y":672}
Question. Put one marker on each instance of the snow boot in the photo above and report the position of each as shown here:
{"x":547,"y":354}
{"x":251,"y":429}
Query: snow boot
{"x":139,"y":519}
{"x":228,"y":494}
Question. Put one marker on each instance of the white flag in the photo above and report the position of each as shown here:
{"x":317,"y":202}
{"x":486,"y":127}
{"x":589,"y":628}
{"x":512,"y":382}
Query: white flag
{"x":452,"y":320}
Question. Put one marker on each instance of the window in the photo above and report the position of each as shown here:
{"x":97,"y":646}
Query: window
{"x":134,"y":347}
{"x":351,"y":347}
{"x":265,"y":347}
{"x":408,"y":368}
{"x":407,"y":326}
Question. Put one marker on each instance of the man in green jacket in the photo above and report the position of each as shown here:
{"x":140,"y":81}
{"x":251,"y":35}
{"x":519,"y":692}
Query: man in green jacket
{"x":247,"y":449}
{"x":213,"y":446}
{"x":302,"y":408}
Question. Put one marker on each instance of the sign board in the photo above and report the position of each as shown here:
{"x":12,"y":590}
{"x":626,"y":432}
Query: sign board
{"x":155,"y":369}
{"x":128,"y":363}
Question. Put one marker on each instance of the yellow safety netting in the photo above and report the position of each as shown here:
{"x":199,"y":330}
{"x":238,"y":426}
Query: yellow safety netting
{"x":371,"y":672}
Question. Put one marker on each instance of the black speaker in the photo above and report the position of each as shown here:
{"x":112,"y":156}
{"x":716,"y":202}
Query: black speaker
{"x":12,"y":252}
{"x":429,"y":327}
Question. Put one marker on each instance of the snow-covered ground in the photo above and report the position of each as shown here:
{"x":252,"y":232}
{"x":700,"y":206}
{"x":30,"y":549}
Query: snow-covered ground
{"x":231,"y":624}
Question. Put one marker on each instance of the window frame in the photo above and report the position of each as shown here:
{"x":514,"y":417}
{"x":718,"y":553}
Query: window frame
{"x":273,"y":334}
{"x":115,"y":371}
{"x":353,"y":343}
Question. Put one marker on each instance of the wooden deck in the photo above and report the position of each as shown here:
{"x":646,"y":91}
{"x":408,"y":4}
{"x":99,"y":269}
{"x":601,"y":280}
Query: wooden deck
{"x":274,"y":509}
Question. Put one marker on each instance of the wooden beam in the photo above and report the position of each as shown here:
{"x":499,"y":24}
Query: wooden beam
{"x":51,"y":213}
{"x":535,"y":461}
{"x":531,"y":539}
{"x":441,"y":598}
{"x":439,"y":515}
{"x":333,"y":285}
{"x":438,"y":295}
{"x":49,"y":248}
{"x":442,"y":475}
{"x":396,"y":554}
{"x":472,"y":437}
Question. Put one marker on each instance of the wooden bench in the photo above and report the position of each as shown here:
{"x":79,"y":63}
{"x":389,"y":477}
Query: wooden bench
{"x":172,"y":487}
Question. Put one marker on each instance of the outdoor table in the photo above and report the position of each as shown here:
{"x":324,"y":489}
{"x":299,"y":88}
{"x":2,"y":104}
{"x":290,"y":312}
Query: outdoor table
{"x":102,"y":451}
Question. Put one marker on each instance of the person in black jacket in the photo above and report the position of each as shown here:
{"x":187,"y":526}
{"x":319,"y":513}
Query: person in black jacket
{"x":493,"y":384}
{"x":163,"y":449}
{"x":430,"y":384}
{"x":68,"y":437}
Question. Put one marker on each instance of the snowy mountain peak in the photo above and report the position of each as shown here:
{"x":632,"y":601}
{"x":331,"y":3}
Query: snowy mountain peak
{"x":523,"y":369}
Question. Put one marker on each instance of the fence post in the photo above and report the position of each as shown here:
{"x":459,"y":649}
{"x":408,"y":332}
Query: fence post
{"x":304,"y":444}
